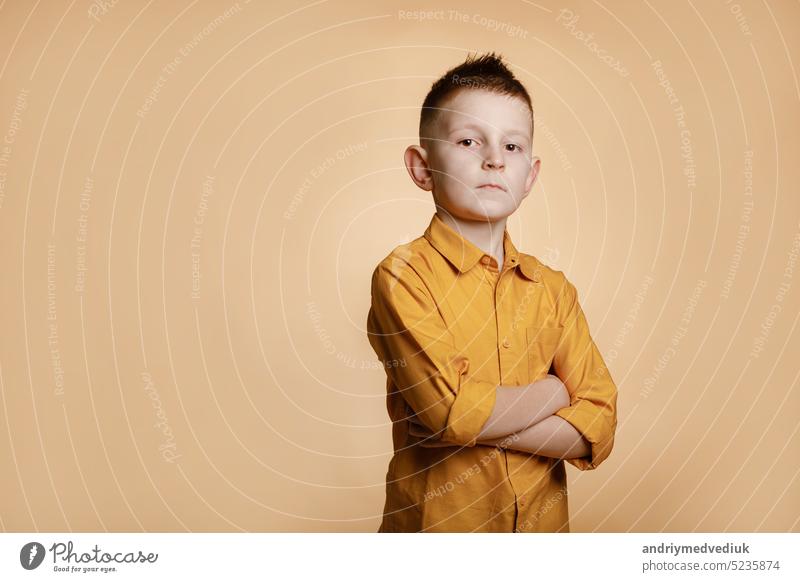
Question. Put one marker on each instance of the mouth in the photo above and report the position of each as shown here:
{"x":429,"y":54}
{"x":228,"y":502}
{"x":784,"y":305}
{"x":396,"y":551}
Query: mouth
{"x":492,"y":186}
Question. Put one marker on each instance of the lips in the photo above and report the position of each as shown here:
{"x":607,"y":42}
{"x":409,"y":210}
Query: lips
{"x":492,"y":186}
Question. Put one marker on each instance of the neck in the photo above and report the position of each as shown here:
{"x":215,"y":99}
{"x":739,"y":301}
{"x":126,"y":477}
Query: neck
{"x":487,"y":236}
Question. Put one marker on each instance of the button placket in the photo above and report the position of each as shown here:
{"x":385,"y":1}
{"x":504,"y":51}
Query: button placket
{"x":508,"y":343}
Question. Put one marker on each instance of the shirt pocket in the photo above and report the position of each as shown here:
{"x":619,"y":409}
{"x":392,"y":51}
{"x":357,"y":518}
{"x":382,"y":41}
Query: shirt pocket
{"x":542,"y":343}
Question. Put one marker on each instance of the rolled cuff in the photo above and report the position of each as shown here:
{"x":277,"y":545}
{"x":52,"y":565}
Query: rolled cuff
{"x":594,"y":427}
{"x":471,"y":409}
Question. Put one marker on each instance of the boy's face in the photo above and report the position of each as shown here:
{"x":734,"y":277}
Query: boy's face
{"x":477,"y":159}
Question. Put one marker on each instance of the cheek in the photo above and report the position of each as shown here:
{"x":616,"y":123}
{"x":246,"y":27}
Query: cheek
{"x":456,"y":168}
{"x":519,"y":169}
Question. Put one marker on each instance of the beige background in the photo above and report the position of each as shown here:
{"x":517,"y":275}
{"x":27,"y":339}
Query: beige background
{"x":212,"y":373}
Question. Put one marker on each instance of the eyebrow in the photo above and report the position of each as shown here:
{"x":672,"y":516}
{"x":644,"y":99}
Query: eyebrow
{"x":480,"y":128}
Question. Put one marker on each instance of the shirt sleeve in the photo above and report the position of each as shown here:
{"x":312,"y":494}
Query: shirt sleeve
{"x":593,"y":394}
{"x":408,"y":333}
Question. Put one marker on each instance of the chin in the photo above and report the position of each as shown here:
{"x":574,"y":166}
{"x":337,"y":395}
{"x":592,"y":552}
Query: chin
{"x":485,"y":215}
{"x":489,"y":209}
{"x":493,"y":210}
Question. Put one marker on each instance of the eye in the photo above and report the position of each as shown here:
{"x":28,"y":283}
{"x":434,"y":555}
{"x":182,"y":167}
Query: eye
{"x":515,"y":147}
{"x":467,"y":140}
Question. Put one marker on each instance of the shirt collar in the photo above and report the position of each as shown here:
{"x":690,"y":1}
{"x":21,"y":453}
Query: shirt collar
{"x":464,"y":255}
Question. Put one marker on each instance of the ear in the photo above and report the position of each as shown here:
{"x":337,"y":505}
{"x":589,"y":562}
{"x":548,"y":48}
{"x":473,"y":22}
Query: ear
{"x":416,"y":160}
{"x":529,"y":181}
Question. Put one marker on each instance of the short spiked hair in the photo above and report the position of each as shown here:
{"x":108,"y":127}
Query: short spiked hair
{"x":486,"y":72}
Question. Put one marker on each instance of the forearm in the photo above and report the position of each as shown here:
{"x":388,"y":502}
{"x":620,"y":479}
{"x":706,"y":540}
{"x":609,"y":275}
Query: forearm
{"x":520,"y":407}
{"x":552,"y":437}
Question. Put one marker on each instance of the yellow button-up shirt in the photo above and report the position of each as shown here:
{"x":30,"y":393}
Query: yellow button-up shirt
{"x":449,"y":327}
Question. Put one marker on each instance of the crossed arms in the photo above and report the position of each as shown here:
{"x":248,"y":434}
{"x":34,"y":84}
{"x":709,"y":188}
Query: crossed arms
{"x":523,"y":419}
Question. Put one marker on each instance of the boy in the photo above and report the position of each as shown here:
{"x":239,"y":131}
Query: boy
{"x":469,"y":330}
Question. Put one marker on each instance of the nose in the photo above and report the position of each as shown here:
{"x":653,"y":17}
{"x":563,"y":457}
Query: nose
{"x":493,"y":160}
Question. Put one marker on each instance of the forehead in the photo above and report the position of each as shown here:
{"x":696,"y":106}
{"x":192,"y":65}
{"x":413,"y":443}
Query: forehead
{"x":493,"y":111}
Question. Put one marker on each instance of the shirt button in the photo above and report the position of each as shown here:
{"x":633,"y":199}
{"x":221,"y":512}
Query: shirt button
{"x":506,"y":343}
{"x":485,"y":260}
